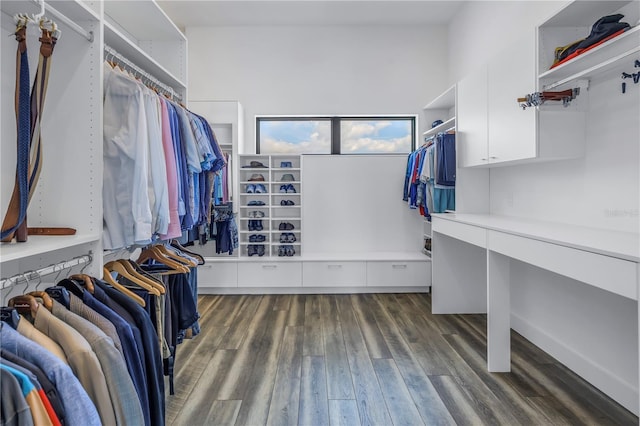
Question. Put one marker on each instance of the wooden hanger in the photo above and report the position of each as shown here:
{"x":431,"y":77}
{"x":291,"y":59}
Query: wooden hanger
{"x":122,"y":289}
{"x":170,"y":253}
{"x":133,"y":271}
{"x":26,"y":305}
{"x":118,"y":267}
{"x":85,"y":280}
{"x":176,"y":244}
{"x":154,"y":254}
{"x":47,"y":302}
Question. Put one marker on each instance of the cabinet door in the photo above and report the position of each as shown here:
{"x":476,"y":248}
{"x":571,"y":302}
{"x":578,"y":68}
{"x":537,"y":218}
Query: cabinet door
{"x":512,"y":130}
{"x":471,"y":119}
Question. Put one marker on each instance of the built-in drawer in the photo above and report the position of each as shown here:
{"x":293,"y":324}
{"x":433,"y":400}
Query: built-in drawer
{"x":608,"y":273}
{"x":334,"y":274}
{"x":218,"y":274}
{"x":398,"y":274}
{"x":270,"y":274}
{"x":461,"y":231}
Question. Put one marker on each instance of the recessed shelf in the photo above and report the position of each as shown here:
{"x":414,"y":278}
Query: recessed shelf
{"x":447,"y":125}
{"x":594,"y":61}
{"x":446,"y":100}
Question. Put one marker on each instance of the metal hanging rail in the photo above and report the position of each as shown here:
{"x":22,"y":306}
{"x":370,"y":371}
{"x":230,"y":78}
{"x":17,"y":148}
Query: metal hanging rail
{"x":151,"y":80}
{"x":48,"y":270}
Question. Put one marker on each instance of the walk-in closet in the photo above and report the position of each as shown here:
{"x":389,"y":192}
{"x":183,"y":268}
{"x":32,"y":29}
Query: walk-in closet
{"x":321,"y":212}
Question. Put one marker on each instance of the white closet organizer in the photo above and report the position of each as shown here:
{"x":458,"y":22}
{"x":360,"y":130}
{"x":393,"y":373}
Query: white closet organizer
{"x":279,"y":216}
{"x":68,"y":193}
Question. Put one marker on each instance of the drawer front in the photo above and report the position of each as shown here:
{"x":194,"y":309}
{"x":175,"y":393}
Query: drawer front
{"x":270,"y":274}
{"x":461,"y":231}
{"x":398,"y":274}
{"x":334,"y":274}
{"x":608,"y":273}
{"x":218,"y":274}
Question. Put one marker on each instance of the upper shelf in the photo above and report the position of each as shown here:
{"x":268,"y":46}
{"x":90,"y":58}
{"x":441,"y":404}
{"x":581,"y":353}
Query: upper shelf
{"x":40,"y":245}
{"x":144,"y":20}
{"x":447,"y":100}
{"x":447,"y":125}
{"x":114,"y":38}
{"x":594,"y":61}
{"x":77,"y":11}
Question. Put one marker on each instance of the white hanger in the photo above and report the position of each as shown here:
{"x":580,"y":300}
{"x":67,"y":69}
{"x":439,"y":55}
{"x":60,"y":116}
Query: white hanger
{"x":36,"y":17}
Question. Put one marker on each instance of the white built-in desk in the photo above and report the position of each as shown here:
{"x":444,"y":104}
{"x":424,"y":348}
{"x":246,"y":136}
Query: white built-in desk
{"x":605,"y":259}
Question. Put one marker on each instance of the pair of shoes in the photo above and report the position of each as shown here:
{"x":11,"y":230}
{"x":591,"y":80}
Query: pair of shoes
{"x":286,"y":189}
{"x":286,"y":251}
{"x":286,"y":226}
{"x":256,"y":214}
{"x":256,"y":189}
{"x":287,"y":203}
{"x":256,"y":249}
{"x":285,"y":164}
{"x":255,"y":225}
{"x":255,"y":238}
{"x":287,"y":237}
{"x":256,"y":203}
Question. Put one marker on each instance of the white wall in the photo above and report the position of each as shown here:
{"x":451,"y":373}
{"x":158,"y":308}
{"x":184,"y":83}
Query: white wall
{"x":600,"y":190}
{"x":317,"y":70}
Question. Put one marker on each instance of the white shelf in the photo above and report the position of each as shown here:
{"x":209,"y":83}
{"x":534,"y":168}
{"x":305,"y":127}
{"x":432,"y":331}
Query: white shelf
{"x":450,"y":123}
{"x":446,"y":100}
{"x":144,"y":20}
{"x":39,"y":245}
{"x":596,"y":60}
{"x":254,"y":193}
{"x":114,"y":38}
{"x":284,"y":169}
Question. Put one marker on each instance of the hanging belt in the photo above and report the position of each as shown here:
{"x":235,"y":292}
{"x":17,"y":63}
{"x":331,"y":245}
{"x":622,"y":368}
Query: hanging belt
{"x":17,"y":210}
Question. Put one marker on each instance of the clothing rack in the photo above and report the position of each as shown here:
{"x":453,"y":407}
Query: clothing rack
{"x":39,"y":273}
{"x":145,"y":76}
{"x":63,"y":18}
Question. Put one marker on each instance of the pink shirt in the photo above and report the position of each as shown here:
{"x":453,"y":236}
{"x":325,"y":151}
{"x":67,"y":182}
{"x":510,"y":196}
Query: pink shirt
{"x":174,"y":230}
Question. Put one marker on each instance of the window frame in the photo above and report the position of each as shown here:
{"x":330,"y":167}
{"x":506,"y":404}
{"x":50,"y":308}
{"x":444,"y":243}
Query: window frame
{"x":335,"y":120}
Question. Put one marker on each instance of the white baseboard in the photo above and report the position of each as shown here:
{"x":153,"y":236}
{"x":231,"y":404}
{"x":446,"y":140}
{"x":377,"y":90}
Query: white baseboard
{"x":310,"y":290}
{"x":598,"y":375}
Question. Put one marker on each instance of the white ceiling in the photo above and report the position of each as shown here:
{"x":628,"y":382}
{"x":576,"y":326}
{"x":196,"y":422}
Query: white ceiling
{"x":186,"y":13}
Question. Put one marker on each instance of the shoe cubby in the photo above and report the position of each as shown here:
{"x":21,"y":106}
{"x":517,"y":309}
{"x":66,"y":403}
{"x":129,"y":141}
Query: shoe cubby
{"x":270,"y":188}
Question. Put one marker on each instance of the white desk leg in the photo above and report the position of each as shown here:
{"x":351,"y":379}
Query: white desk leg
{"x":498,"y":313}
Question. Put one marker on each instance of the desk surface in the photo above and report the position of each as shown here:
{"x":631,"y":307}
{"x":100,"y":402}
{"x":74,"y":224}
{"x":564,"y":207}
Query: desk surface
{"x":622,"y":245}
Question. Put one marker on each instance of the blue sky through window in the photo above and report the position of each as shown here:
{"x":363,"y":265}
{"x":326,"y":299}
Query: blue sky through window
{"x":314,"y":136}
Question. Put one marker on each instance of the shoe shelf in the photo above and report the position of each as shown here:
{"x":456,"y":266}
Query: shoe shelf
{"x":280,"y":180}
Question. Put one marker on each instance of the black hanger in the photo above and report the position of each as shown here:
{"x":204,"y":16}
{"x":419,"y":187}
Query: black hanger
{"x":72,"y":286}
{"x":10,"y":316}
{"x":60,"y":294}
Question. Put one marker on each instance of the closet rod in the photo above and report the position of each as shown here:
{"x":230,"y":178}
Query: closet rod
{"x":154,"y":81}
{"x":56,"y":267}
{"x":60,"y":16}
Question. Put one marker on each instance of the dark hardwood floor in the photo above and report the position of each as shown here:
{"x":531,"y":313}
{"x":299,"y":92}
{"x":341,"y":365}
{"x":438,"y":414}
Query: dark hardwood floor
{"x":370,"y":359}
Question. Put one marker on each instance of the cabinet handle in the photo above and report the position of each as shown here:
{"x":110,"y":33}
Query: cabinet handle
{"x":399,"y":266}
{"x":493,"y":158}
{"x":209,"y":266}
{"x":334,"y":266}
{"x":269,"y":266}
{"x":483,"y":159}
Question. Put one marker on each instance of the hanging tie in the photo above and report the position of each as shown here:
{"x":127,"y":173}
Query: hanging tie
{"x":17,"y":210}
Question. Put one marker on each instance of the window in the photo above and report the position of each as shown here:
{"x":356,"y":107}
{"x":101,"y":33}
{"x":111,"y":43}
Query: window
{"x":335,"y":135}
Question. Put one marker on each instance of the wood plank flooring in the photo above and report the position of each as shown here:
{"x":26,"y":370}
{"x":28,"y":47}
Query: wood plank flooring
{"x":366,"y":359}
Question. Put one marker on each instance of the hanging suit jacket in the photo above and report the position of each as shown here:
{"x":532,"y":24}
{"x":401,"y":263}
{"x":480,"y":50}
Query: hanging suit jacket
{"x":14,"y":409}
{"x":77,"y":306}
{"x":78,"y":407}
{"x":121,"y":391}
{"x":30,"y":332}
{"x":82,"y":360}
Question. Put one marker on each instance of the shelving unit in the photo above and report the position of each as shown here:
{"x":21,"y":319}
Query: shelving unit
{"x":272,"y":215}
{"x":573,"y":23}
{"x":441,"y":108}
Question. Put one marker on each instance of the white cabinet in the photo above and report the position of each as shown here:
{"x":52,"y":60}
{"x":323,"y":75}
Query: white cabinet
{"x":269,"y":274}
{"x":218,"y":274}
{"x":471,"y":121}
{"x":334,"y":274}
{"x":495,"y":131}
{"x":398,"y":274}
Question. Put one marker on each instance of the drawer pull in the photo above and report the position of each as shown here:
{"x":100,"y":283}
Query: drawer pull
{"x":334,"y":266}
{"x":269,"y":266}
{"x":206,"y":266}
{"x":399,"y":266}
